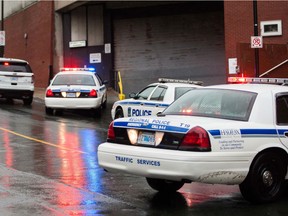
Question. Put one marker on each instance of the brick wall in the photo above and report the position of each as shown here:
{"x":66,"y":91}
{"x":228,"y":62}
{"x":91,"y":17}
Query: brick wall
{"x":239,"y":28}
{"x":36,"y":22}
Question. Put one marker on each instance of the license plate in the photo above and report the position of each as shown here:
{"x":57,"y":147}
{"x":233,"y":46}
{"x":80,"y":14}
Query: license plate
{"x":146,"y":138}
{"x":13,"y":79}
{"x":70,"y":94}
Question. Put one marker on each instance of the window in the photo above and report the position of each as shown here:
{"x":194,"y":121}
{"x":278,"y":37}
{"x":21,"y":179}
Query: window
{"x":159,"y":93}
{"x":74,"y":79}
{"x":78,"y":24}
{"x":87,"y":25}
{"x":282,"y":109}
{"x":15,"y":67}
{"x":271,"y":28}
{"x":144,"y":94}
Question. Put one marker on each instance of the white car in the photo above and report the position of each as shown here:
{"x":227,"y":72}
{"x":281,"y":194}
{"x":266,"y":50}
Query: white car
{"x":16,"y":80}
{"x":153,"y":98}
{"x":223,"y":134}
{"x":76,"y":88}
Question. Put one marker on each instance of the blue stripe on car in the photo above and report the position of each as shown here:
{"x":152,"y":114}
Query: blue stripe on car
{"x":253,"y":133}
{"x":148,"y":126}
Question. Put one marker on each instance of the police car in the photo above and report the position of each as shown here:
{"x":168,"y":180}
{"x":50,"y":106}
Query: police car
{"x":76,"y":88}
{"x":153,"y":98}
{"x":16,"y":80}
{"x":224,"y":134}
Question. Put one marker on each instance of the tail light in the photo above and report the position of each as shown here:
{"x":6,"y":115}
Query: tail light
{"x":111,"y":133}
{"x":93,"y":93}
{"x":32,"y":79}
{"x":49,"y":93}
{"x":197,"y":139}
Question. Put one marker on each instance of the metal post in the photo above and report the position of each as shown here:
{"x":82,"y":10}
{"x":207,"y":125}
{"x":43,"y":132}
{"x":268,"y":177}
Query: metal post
{"x":2,"y":27}
{"x":255,"y":13}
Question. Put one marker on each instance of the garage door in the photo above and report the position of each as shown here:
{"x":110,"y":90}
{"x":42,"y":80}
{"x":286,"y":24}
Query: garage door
{"x":182,"y":46}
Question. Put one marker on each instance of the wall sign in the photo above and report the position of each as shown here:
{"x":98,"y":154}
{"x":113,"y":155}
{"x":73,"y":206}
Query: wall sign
{"x":256,"y":42}
{"x":74,"y":44}
{"x":95,"y":57}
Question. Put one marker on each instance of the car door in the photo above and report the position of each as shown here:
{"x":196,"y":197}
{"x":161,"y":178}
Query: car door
{"x":102,"y":87}
{"x":155,"y":103}
{"x":282,"y":117}
{"x":141,"y":106}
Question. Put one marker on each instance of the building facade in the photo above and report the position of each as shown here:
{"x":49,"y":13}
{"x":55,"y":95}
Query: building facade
{"x":197,"y":40}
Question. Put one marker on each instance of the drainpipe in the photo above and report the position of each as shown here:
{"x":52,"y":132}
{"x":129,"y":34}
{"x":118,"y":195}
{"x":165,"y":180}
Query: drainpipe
{"x":2,"y":27}
{"x":256,"y":34}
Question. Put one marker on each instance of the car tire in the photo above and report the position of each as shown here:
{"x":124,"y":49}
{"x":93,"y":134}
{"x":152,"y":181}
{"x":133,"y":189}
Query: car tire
{"x":104,"y":104}
{"x":163,"y":185}
{"x":49,"y":111}
{"x":265,"y":181}
{"x":28,"y":101}
{"x":97,"y":112}
{"x":58,"y":112}
{"x":119,"y":113}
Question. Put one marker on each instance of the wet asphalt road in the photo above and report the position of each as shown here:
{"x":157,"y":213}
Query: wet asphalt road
{"x":48,"y":166}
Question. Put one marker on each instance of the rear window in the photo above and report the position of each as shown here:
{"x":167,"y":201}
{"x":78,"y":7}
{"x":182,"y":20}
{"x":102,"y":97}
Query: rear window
{"x":217,"y":103}
{"x":74,"y":79}
{"x":15,"y":67}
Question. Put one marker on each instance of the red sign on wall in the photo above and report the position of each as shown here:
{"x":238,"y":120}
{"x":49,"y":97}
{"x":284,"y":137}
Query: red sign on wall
{"x":256,"y":42}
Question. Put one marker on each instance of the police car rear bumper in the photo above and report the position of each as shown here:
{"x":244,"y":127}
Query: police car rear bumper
{"x":72,"y":103}
{"x":206,"y":167}
{"x":17,"y":94}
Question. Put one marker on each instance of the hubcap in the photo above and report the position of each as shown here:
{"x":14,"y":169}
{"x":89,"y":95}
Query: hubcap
{"x":267,"y":178}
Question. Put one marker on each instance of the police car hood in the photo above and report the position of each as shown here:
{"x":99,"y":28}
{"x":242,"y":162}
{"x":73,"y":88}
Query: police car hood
{"x":172,"y":123}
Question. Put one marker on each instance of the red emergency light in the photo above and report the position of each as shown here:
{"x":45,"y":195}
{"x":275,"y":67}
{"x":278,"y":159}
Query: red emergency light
{"x":77,"y":69}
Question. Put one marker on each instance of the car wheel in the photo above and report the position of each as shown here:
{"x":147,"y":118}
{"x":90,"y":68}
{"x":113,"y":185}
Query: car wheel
{"x":28,"y":101}
{"x":266,"y":178}
{"x":104,"y":104}
{"x":163,"y":185}
{"x":59,"y":112}
{"x":119,"y":113}
{"x":49,"y":111}
{"x":96,"y":112}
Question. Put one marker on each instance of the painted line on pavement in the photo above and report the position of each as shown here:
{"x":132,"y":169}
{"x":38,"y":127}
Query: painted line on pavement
{"x":41,"y":141}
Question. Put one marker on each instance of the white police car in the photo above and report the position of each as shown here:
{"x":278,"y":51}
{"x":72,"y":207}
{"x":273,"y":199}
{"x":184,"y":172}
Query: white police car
{"x":76,"y":88}
{"x":16,"y":80}
{"x":224,"y":134}
{"x":153,"y":98}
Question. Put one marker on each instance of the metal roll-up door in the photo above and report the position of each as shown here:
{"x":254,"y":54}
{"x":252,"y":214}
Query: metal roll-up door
{"x":182,"y":46}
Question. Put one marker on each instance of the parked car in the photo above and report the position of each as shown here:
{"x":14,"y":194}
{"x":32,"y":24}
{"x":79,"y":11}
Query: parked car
{"x":153,"y":98}
{"x":223,"y":134}
{"x":76,"y":88}
{"x":16,"y":80}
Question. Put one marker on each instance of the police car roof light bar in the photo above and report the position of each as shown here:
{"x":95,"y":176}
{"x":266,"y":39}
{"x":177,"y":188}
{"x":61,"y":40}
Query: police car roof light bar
{"x":78,"y":69}
{"x":168,"y":80}
{"x":282,"y":81}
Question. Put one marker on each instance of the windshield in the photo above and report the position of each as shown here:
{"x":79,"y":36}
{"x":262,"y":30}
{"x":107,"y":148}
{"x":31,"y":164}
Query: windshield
{"x":217,"y":103}
{"x":74,"y":79}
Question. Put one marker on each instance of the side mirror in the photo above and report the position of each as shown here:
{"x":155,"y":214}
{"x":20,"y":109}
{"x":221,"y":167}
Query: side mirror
{"x":133,"y":95}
